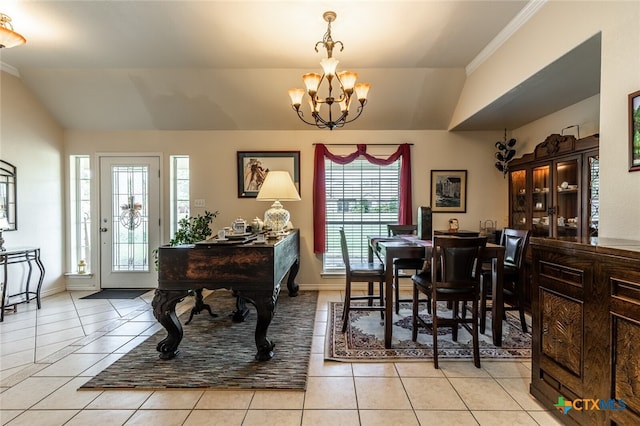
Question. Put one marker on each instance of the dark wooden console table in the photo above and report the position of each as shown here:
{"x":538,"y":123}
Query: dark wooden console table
{"x":29,"y":256}
{"x":252,"y":270}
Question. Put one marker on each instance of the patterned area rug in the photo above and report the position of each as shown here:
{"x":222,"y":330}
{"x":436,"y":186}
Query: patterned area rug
{"x":218,"y":353}
{"x":364,"y":338}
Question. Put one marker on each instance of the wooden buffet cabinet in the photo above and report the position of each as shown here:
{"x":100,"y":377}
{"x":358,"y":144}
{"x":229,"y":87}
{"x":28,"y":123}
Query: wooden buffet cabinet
{"x":586,"y":328}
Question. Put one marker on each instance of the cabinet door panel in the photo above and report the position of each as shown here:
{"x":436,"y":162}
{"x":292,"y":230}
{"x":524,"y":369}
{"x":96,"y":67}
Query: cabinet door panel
{"x":567,"y":178}
{"x":541,"y":202}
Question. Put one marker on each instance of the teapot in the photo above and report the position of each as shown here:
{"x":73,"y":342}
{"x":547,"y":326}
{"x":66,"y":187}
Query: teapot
{"x":239,"y":226}
{"x":453,"y":225}
{"x":257,"y":224}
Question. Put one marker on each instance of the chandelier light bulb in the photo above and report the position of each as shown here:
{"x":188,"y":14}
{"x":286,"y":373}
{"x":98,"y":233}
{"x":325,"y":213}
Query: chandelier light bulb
{"x":8,"y":37}
{"x":296,"y":96}
{"x":311,"y":81}
{"x":329,"y":66}
{"x":362,"y":90}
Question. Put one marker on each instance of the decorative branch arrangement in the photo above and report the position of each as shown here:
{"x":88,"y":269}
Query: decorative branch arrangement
{"x":505,"y":154}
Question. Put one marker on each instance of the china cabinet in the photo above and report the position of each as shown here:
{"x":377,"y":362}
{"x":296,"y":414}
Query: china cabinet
{"x":553,"y":191}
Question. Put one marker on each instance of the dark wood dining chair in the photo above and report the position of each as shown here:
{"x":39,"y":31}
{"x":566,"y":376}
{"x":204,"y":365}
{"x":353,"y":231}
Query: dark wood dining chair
{"x":399,"y":265}
{"x":455,"y":272}
{"x":361,"y":272}
{"x":515,"y":242}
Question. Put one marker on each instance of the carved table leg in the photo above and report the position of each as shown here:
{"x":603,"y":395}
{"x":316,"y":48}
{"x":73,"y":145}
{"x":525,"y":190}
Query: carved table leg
{"x":242,"y":312}
{"x":291,"y":283}
{"x":199,"y":307}
{"x":164,"y":309}
{"x":265,"y":307}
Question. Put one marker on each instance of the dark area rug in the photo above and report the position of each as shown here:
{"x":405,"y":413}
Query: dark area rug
{"x":218,"y":353}
{"x":117,"y":293}
{"x":364,"y":338}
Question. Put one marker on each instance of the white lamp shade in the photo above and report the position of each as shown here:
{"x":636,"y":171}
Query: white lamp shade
{"x":278,"y":185}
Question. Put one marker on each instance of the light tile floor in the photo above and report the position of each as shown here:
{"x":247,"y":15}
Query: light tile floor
{"x":47,"y":354}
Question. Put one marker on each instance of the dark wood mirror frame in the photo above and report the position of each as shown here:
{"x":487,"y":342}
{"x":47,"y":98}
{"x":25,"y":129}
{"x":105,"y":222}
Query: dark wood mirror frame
{"x":8,"y":203}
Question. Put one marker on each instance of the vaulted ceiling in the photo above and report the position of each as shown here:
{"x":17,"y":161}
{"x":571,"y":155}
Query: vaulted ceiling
{"x":227,"y":65}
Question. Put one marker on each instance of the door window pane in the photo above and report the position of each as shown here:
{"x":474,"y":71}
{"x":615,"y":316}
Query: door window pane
{"x":130,"y":218}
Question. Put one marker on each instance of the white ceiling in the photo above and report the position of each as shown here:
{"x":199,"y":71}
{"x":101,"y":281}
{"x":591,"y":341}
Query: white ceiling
{"x":227,"y":65}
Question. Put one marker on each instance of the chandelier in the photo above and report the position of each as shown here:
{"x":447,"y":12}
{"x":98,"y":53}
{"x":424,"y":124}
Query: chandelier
{"x":340,"y":88}
{"x":8,"y":37}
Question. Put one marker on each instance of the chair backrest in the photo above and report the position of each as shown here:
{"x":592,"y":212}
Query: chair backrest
{"x":425,"y":218}
{"x":345,"y":250}
{"x":401,"y":229}
{"x":455,"y":259}
{"x":515,"y":242}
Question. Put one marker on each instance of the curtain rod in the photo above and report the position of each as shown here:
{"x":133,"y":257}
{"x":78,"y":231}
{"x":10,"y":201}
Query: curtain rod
{"x":368,"y":144}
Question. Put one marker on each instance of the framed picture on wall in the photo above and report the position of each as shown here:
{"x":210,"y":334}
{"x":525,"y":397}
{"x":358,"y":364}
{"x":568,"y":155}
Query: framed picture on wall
{"x":634,"y":131}
{"x":449,"y":191}
{"x":253,"y":167}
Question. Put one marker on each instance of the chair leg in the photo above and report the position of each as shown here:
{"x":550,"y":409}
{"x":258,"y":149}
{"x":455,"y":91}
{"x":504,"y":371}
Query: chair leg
{"x":523,"y":321}
{"x":396,"y":284}
{"x":370,"y":292}
{"x":381,"y":296}
{"x":474,"y":333}
{"x":414,"y":324}
{"x":454,"y":316}
{"x":347,"y":306}
{"x":483,"y":306}
{"x":434,"y":333}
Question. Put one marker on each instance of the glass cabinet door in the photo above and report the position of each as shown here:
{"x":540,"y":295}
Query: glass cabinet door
{"x":593,"y":193}
{"x":518,"y":202}
{"x":541,"y":202}
{"x":567,"y":209}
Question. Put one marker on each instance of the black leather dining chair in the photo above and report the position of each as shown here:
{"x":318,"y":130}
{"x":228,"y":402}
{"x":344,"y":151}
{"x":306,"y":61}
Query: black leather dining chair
{"x":515,"y":242}
{"x":399,"y":265}
{"x":454,"y":278}
{"x":361,"y":272}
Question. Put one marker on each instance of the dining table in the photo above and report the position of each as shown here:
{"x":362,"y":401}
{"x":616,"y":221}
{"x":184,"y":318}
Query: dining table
{"x":410,"y":246}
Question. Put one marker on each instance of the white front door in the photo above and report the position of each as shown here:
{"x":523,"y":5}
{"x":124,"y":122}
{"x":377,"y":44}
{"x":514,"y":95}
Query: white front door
{"x":129,"y":220}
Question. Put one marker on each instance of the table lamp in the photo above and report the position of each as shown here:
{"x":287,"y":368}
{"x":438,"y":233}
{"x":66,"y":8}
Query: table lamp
{"x":4,"y":224}
{"x":277,"y":186}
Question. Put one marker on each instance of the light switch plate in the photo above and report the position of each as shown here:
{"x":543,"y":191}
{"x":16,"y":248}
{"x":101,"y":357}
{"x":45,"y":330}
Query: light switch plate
{"x":199,"y":202}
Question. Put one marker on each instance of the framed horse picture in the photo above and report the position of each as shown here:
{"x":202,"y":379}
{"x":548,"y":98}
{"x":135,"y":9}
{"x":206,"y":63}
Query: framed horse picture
{"x":253,"y":167}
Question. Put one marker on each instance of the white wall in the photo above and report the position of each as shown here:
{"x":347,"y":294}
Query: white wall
{"x":585,"y":114}
{"x":214,"y":171}
{"x":33,"y":142}
{"x":554,"y":30}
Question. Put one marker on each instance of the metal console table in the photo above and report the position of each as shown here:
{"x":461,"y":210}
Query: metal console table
{"x":28,"y":255}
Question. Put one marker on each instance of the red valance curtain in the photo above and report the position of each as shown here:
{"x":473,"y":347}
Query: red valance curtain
{"x":319,"y":190}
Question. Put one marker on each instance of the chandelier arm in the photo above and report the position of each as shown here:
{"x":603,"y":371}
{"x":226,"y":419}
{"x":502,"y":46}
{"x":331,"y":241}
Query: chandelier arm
{"x":359,"y":111}
{"x":301,"y":116}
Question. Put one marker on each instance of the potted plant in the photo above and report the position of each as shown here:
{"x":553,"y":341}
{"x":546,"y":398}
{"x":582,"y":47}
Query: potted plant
{"x":191,"y":230}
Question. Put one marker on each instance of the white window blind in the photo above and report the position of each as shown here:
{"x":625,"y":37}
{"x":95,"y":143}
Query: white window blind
{"x":363,"y":198}
{"x":180,"y":207}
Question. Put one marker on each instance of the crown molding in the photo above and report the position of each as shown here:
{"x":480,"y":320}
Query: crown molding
{"x":10,"y":69}
{"x":516,"y":23}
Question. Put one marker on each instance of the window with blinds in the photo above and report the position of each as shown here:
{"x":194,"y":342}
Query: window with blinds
{"x":363,"y":198}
